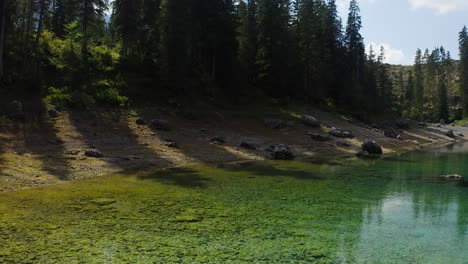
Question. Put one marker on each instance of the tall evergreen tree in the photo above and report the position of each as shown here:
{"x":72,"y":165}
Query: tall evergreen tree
{"x":355,"y":52}
{"x":149,"y":34}
{"x":409,"y":88}
{"x":418,"y":84}
{"x":333,"y":41}
{"x":443,"y":98}
{"x":272,"y":46}
{"x":309,"y":36}
{"x":384,"y":83}
{"x":174,"y":42}
{"x":370,"y":87}
{"x":247,"y":38}
{"x":91,"y":12}
{"x":3,"y":20}
{"x":463,"y":68}
{"x":126,"y":20}
{"x":400,"y":86}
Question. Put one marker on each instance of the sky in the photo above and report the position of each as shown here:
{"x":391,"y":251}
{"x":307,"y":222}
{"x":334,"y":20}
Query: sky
{"x":403,"y":26}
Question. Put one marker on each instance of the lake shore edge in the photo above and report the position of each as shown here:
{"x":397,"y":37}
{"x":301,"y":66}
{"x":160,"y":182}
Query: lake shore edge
{"x":53,"y":149}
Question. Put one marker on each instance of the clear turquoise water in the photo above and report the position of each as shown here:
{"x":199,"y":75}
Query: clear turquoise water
{"x":394,"y":210}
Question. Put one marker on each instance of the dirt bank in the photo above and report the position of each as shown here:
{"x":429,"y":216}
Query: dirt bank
{"x":43,"y":150}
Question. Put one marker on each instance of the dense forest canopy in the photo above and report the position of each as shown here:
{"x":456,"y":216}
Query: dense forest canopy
{"x":67,"y":53}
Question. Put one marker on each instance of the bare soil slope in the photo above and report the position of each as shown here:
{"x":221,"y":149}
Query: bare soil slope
{"x":43,"y":150}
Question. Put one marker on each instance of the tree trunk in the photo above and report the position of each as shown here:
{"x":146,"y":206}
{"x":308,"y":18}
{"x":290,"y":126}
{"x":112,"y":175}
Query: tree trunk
{"x":40,"y":22}
{"x":3,"y":13}
{"x":85,"y":18}
{"x":26,"y":49}
{"x":125,"y":41}
{"x":214,"y":64}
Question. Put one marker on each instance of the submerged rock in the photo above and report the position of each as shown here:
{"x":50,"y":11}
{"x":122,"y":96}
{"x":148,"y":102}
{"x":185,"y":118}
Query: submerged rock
{"x":281,"y":152}
{"x":187,"y":219}
{"x":103,"y":201}
{"x":309,"y":121}
{"x":93,"y":153}
{"x":454,"y":177}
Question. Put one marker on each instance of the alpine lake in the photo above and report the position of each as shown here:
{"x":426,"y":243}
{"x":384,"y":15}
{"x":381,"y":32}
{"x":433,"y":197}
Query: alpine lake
{"x":392,"y":210}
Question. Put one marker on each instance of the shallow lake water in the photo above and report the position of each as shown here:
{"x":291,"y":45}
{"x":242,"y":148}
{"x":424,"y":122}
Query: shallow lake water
{"x":394,"y":210}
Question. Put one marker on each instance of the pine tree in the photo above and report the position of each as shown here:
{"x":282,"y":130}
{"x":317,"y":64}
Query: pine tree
{"x":418,"y":84}
{"x":401,"y":87}
{"x":58,"y":18}
{"x":442,"y":85}
{"x":431,"y":88}
{"x":246,"y":37}
{"x":355,"y":52}
{"x":272,"y":46}
{"x":148,"y":38}
{"x":90,"y":12}
{"x":384,"y":83}
{"x":443,"y":98}
{"x":3,"y":19}
{"x":409,"y":88}
{"x":333,"y":41}
{"x":309,"y":36}
{"x":463,"y":68}
{"x":126,"y":20}
{"x":174,"y":49}
{"x":370,"y":87}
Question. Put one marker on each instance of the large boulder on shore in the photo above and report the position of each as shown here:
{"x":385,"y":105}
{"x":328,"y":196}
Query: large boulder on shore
{"x":371,"y":147}
{"x":274,"y":123}
{"x":342,"y":143}
{"x":309,"y":121}
{"x":402,"y":124}
{"x":248,"y":145}
{"x":53,"y":113}
{"x":170,"y":143}
{"x":280,"y":152}
{"x":14,"y":110}
{"x":450,"y":134}
{"x":217,"y":140}
{"x":93,"y":153}
{"x":160,"y":124}
{"x":391,"y":133}
{"x":140,"y":122}
{"x":319,"y":137}
{"x":340,"y":133}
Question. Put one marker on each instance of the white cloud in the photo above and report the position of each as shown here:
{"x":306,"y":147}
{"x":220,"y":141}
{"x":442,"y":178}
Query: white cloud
{"x":392,"y":55}
{"x":440,"y":6}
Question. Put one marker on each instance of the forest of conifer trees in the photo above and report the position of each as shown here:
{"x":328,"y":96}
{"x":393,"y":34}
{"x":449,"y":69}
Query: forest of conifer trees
{"x":87,"y":52}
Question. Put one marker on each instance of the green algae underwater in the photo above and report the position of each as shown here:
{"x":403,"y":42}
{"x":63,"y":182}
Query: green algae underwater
{"x":394,"y":210}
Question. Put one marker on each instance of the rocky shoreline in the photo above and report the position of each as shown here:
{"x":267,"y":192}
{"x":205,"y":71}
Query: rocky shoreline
{"x":59,"y":146}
